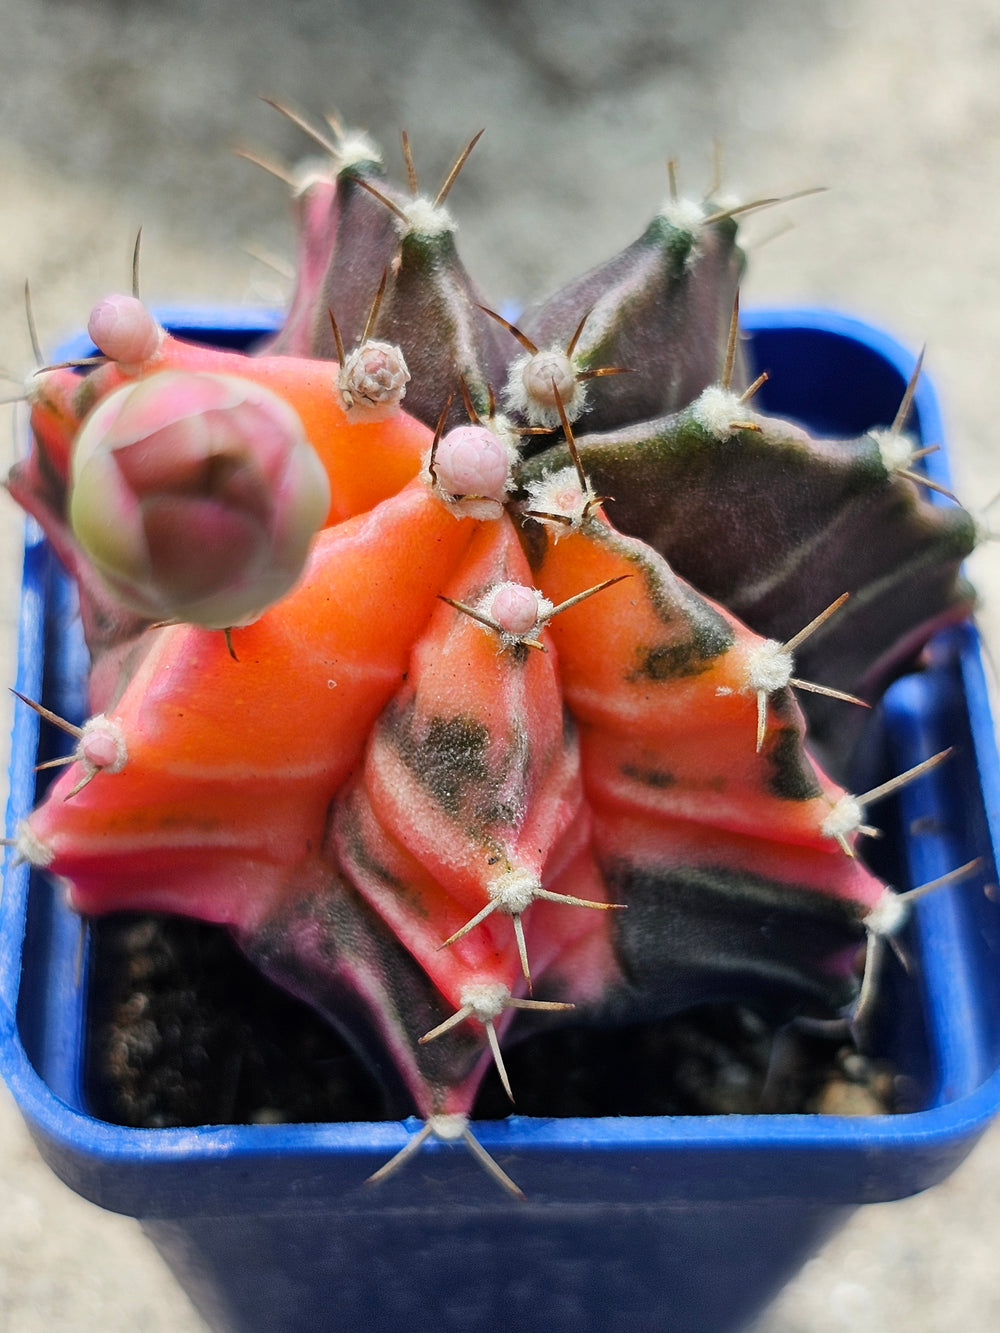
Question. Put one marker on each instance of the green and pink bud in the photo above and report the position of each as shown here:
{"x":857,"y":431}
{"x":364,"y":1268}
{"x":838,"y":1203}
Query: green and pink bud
{"x":196,"y":497}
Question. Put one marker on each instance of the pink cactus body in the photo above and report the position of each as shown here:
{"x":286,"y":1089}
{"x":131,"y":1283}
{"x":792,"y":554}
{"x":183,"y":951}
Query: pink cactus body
{"x":315,"y":208}
{"x":490,"y":752}
{"x":374,"y":740}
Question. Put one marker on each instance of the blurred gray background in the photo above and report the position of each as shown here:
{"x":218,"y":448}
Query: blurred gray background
{"x":117,"y":114}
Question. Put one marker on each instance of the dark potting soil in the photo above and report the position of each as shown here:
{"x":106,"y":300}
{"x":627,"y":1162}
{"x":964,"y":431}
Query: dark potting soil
{"x":186,"y":1032}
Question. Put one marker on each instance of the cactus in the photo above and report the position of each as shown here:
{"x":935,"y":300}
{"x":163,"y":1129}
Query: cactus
{"x":383,"y":680}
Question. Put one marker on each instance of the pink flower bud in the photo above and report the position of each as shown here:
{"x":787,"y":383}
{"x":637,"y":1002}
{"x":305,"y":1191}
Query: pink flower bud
{"x":124,"y":330}
{"x":547,"y":375}
{"x":374,"y":376}
{"x":470,"y":460}
{"x":196,"y":496}
{"x":515,"y":608}
{"x":102,"y":744}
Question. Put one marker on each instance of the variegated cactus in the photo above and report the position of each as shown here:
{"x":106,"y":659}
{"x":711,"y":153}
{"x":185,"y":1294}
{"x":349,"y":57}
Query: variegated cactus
{"x":384,"y":681}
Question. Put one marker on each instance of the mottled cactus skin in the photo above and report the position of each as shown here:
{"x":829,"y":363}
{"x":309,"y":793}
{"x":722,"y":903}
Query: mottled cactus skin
{"x":440,"y":823}
{"x":796,"y":522}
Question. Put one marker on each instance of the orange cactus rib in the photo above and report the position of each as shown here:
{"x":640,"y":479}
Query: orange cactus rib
{"x":573,"y":953}
{"x":248,"y":754}
{"x":469,"y":775}
{"x":657,"y":678}
{"x":649,"y":839}
{"x":471,"y":779}
{"x":415,"y":905}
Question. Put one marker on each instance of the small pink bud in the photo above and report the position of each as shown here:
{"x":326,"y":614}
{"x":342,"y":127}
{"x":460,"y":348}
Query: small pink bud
{"x":196,"y":496}
{"x":102,"y":744}
{"x":515,"y":608}
{"x":124,"y":330}
{"x":545,"y":370}
{"x":539,"y":383}
{"x":374,"y":375}
{"x":470,"y":460}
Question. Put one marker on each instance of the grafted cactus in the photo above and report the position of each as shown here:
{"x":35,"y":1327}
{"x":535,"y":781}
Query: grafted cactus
{"x":508,"y":753}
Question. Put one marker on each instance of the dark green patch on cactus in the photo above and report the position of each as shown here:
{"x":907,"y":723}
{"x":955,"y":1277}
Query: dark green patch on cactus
{"x":686,"y":924}
{"x":449,"y":758}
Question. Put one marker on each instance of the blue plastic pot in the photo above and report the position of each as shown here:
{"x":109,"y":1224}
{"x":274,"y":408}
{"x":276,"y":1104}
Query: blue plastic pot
{"x":634,"y":1223}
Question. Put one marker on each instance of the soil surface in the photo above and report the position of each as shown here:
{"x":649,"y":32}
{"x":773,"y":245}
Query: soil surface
{"x":188,"y":1033}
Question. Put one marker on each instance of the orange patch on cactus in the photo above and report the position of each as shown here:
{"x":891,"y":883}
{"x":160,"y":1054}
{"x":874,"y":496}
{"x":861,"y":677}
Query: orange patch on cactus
{"x":470,"y":776}
{"x":247,"y":754}
{"x":656,"y":677}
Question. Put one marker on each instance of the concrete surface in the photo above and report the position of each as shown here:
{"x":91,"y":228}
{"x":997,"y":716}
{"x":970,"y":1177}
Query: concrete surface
{"x":116,"y":114}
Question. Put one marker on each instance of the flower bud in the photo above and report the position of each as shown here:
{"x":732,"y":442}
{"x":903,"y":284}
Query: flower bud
{"x":196,"y":496}
{"x":470,"y":460}
{"x":374,"y":376}
{"x":124,"y":330}
{"x":515,"y":609}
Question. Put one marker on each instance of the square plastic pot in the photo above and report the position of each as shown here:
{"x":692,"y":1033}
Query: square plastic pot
{"x":637,"y":1223}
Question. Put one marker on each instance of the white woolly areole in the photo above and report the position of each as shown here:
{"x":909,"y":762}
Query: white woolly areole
{"x":469,"y":506}
{"x":424,"y":218}
{"x":684,"y":214}
{"x":31,"y":848}
{"x":844,"y":819}
{"x":717,"y":408}
{"x":102,"y":745}
{"x":374,"y":376}
{"x":769,"y":667}
{"x":894,"y":449}
{"x":528,"y":391}
{"x":310,"y":171}
{"x":888,"y":916}
{"x":449,"y":1128}
{"x":486,"y":999}
{"x":560,"y":494}
{"x":514,"y":891}
{"x":726,"y":203}
{"x":355,"y":147}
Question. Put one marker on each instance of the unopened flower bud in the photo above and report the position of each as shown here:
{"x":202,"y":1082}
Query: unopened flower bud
{"x":472,"y":461}
{"x":196,"y":496}
{"x":515,"y":608}
{"x":124,"y":330}
{"x":549,"y":376}
{"x":374,"y":376}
